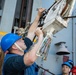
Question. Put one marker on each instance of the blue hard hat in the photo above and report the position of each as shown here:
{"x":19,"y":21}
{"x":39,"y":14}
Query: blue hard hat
{"x":71,"y":62}
{"x":8,"y":40}
{"x":67,"y":64}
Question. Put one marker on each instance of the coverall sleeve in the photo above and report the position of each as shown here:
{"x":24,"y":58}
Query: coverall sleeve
{"x":28,"y":42}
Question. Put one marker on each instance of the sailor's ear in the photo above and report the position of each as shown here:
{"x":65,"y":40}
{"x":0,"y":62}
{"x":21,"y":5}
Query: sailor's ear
{"x":69,"y":69}
{"x":14,"y":47}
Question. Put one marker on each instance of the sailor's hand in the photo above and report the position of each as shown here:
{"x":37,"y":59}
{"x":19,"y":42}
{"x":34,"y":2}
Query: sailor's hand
{"x":39,"y":32}
{"x":40,"y":11}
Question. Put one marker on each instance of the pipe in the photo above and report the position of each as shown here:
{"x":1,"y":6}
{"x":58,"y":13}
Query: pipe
{"x":73,"y":41}
{"x":69,"y":17}
{"x":28,"y":11}
{"x":21,"y":12}
{"x":46,"y":70}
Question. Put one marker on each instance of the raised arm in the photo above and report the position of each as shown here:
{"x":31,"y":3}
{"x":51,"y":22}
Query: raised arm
{"x":30,"y":57}
{"x":34,"y":25}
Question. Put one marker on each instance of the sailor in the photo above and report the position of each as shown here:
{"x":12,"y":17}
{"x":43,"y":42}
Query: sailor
{"x":67,"y":67}
{"x":20,"y":57}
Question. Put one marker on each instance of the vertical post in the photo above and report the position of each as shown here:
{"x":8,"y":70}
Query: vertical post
{"x":29,"y":11}
{"x":73,"y":39}
{"x":8,"y":15}
{"x":21,"y":12}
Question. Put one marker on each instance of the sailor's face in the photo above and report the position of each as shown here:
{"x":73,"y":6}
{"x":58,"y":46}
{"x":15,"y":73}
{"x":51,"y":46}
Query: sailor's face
{"x":21,"y":43}
{"x":65,"y":69}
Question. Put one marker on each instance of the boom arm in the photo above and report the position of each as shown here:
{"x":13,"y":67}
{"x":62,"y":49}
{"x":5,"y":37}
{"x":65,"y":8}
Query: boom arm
{"x":54,"y":21}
